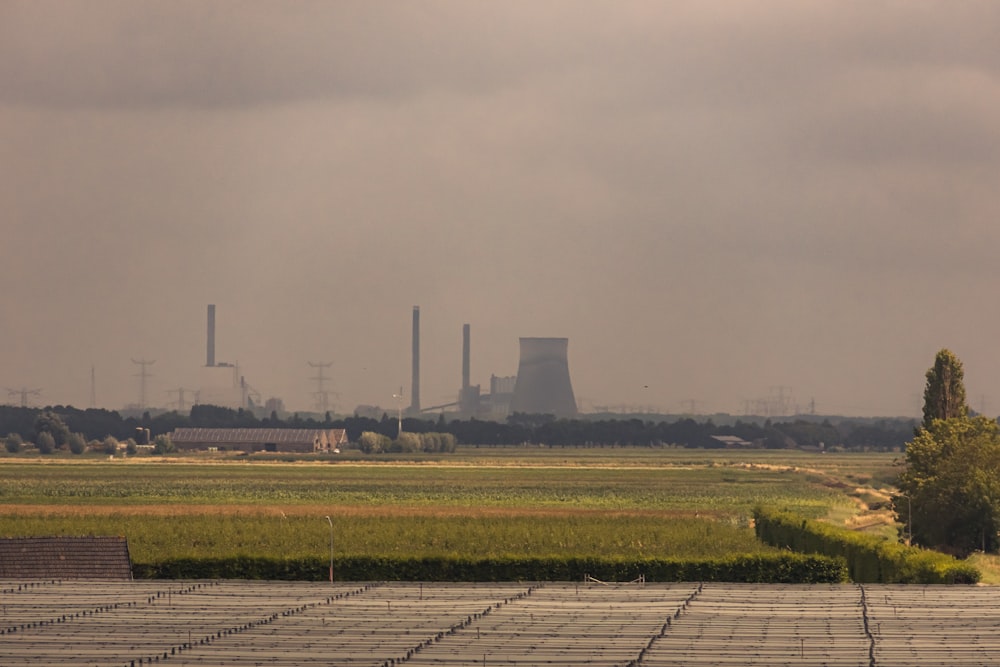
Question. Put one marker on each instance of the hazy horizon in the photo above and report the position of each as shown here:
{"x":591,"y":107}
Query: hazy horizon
{"x":714,"y":202}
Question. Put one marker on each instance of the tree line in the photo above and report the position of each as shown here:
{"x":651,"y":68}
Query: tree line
{"x":61,"y":422}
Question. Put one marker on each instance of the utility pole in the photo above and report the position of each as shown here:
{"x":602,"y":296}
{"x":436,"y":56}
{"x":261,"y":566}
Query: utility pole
{"x":93,"y":387}
{"x":143,"y":375}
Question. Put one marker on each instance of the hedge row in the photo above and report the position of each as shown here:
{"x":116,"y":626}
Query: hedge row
{"x":755,"y":568}
{"x":870,"y":558}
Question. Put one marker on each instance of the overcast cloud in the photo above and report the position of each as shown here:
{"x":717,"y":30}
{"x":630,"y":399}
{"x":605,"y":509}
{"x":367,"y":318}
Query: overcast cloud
{"x":709,"y":199}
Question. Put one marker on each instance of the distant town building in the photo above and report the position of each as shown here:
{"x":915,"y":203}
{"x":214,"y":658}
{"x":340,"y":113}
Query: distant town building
{"x":300,"y":440}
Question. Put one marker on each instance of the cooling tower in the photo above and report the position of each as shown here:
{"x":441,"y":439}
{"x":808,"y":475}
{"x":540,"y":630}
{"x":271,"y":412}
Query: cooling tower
{"x":543,"y":385}
{"x":211,"y":335}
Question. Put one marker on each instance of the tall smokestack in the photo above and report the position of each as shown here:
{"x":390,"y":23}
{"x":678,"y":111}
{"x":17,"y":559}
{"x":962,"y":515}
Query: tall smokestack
{"x":210,"y":361}
{"x":466,"y":344}
{"x":415,"y":383}
{"x":543,"y":385}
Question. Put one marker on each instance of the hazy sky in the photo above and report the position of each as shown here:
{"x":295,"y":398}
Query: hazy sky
{"x":710,"y":199}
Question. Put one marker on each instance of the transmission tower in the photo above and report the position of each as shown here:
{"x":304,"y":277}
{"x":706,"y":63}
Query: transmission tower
{"x":321,"y":395}
{"x":692,"y":405}
{"x":143,"y":375}
{"x":180,"y":402}
{"x":23,"y":393}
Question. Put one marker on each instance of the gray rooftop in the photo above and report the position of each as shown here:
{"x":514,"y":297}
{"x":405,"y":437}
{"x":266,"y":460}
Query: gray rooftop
{"x":39,"y":558}
{"x":249,"y":435}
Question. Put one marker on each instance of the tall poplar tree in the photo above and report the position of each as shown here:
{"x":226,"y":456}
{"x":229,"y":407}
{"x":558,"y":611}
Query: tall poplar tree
{"x":944,"y":394}
{"x":950,"y":490}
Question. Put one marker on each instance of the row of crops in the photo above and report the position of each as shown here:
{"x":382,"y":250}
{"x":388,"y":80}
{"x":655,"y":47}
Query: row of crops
{"x":237,"y":624}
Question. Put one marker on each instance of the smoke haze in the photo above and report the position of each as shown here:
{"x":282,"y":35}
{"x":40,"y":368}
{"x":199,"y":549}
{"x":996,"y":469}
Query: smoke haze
{"x":709,"y":199}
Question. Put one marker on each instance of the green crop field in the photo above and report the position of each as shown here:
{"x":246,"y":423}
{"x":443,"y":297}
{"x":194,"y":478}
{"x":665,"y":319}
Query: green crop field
{"x":485,"y":502}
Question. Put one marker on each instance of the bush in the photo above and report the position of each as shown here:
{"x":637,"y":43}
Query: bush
{"x":870,"y":558}
{"x":14,"y":443}
{"x":756,"y":568}
{"x":373,"y":443}
{"x":406,"y":442}
{"x":162,"y":444}
{"x":110,"y":445}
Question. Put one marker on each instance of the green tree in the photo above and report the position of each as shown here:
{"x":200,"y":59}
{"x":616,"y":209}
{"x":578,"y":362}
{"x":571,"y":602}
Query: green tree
{"x":51,"y":423}
{"x":77,"y":443}
{"x":371,"y":442}
{"x":944,"y":394}
{"x":950,"y":489}
{"x":162,"y":444}
{"x":110,"y":445}
{"x":45,"y":442}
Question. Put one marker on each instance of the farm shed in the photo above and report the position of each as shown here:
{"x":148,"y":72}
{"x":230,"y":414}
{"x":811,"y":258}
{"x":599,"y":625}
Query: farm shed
{"x":42,"y":558}
{"x":301,"y":440}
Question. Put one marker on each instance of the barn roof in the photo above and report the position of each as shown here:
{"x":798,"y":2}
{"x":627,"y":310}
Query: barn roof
{"x":251,"y":435}
{"x":38,"y":558}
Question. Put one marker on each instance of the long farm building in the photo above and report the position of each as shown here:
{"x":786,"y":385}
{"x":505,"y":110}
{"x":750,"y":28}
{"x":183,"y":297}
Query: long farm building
{"x":299,"y":440}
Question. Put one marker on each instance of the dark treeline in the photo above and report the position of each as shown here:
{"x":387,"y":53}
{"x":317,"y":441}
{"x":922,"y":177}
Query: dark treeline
{"x":846,"y":433}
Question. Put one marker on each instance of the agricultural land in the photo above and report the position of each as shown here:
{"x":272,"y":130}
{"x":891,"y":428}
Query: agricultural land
{"x":490,"y":502}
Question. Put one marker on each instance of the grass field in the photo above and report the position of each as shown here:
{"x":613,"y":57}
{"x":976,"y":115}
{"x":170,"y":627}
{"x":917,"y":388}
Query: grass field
{"x":477,"y":502}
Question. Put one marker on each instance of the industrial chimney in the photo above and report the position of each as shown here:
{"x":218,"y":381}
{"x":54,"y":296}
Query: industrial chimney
{"x":211,"y":335}
{"x":543,"y":385}
{"x":468,"y":397}
{"x":466,"y":346}
{"x":415,"y":381}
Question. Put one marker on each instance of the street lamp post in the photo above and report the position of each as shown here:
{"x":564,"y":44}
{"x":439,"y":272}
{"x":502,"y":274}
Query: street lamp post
{"x":399,"y":412}
{"x":909,"y":519}
{"x":330,"y":521}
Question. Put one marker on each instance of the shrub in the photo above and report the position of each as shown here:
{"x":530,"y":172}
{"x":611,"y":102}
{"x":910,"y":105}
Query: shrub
{"x":373,"y":443}
{"x":758,"y":568}
{"x":110,"y":445}
{"x":870,"y":558}
{"x":45,"y":442}
{"x":162,"y":444}
{"x":406,"y":442}
{"x":14,"y":443}
{"x":77,"y":443}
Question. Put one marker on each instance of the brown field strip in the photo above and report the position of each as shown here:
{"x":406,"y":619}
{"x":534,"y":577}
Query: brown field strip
{"x":179,"y":509}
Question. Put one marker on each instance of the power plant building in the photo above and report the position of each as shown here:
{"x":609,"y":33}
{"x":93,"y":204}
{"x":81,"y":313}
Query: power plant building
{"x":219,"y":383}
{"x":543,"y":385}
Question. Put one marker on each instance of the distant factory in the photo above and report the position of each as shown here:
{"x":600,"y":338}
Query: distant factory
{"x":221,"y":383}
{"x":542,"y":384}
